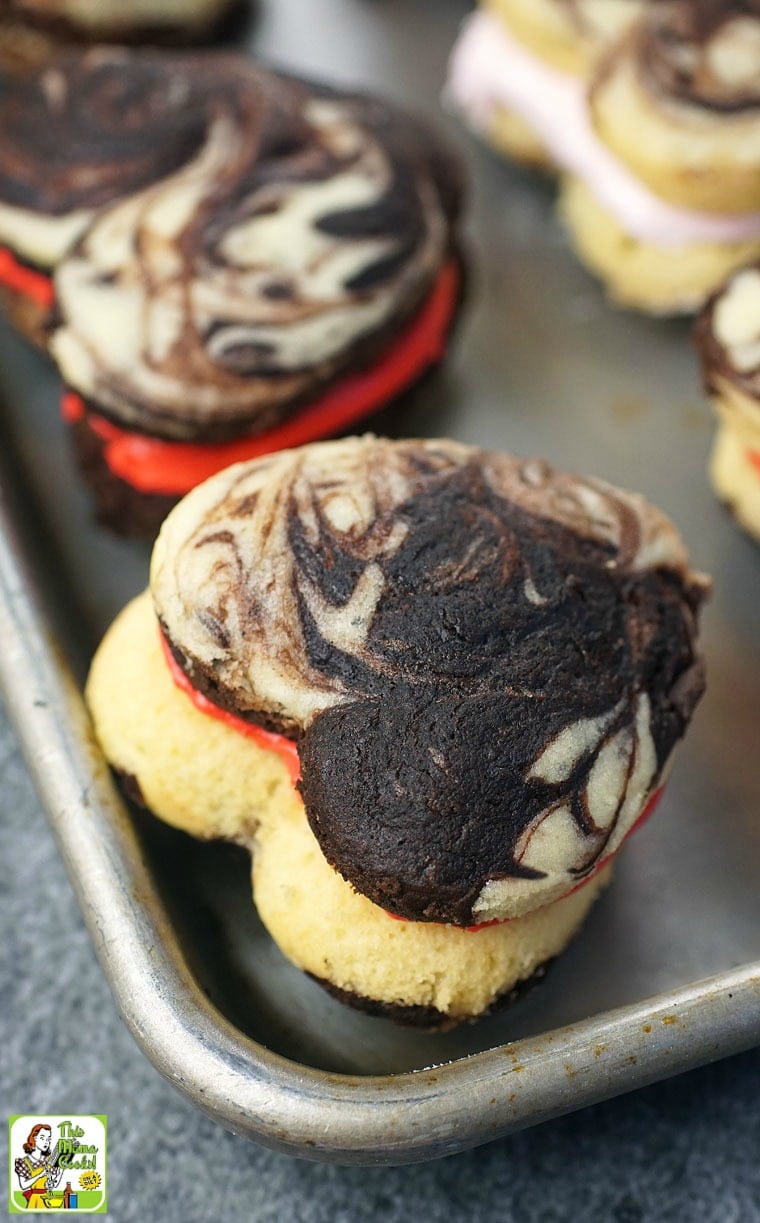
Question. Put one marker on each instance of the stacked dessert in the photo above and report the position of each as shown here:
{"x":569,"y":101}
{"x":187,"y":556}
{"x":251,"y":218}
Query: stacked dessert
{"x":659,"y":146}
{"x":431,"y":688}
{"x":241,"y":260}
{"x":517,"y":59}
{"x":473,"y":668}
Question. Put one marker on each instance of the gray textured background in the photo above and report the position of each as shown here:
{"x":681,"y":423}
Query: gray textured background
{"x":686,"y":1150}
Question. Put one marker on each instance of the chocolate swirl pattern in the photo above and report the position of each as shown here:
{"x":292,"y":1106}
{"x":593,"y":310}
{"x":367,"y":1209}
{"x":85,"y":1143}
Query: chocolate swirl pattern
{"x":705,"y":53}
{"x":728,"y":333}
{"x":308,"y":228}
{"x":486,"y":662}
{"x":91,"y":129}
{"x":699,"y":56}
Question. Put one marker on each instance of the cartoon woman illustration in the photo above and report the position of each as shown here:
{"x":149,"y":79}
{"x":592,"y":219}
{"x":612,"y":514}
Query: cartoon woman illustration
{"x":36,"y":1172}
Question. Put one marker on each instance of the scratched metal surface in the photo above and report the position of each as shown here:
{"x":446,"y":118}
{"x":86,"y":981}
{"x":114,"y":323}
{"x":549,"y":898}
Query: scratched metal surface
{"x":541,"y":365}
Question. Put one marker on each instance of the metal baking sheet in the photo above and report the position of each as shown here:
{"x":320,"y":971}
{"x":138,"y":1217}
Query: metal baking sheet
{"x":664,"y":975}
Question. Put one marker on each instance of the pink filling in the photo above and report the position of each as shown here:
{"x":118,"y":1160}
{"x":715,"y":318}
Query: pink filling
{"x":489,"y":68}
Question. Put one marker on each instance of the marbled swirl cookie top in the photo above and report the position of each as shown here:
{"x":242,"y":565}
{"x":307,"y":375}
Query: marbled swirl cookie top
{"x":727,"y":333}
{"x":310,"y":226}
{"x":486,"y":662}
{"x":90,"y":129}
{"x":703,"y":53}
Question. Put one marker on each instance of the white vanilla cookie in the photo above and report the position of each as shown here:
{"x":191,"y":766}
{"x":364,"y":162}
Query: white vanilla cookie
{"x":659,"y":280}
{"x":206,"y":778}
{"x":483,"y":666}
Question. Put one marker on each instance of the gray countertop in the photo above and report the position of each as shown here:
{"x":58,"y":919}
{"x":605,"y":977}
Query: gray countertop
{"x":686,"y":1149}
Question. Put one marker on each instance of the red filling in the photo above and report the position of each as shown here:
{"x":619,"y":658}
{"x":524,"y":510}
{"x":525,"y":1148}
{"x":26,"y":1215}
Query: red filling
{"x":285,"y":748}
{"x":754,"y":458}
{"x":173,"y":468}
{"x":35,"y":285}
{"x":288,"y":752}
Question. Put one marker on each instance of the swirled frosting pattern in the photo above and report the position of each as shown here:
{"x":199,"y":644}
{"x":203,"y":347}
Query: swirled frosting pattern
{"x":728,"y":334}
{"x":486,"y":662}
{"x":91,"y":129}
{"x":309,"y":227}
{"x":705,"y":53}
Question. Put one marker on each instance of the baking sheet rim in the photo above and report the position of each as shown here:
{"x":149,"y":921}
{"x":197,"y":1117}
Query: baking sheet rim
{"x":403,"y":1118}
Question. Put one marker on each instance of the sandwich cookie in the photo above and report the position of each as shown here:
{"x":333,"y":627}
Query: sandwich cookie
{"x":298,"y":274}
{"x":660,"y":149}
{"x":474,"y":667}
{"x":727,"y":336}
{"x":676,"y":109}
{"x":526,"y":47}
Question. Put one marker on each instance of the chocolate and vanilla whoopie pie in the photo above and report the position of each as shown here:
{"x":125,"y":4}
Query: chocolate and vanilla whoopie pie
{"x":300,"y":271}
{"x":89,"y":130}
{"x":431,"y":688}
{"x":727,"y":335}
{"x":33,"y":31}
